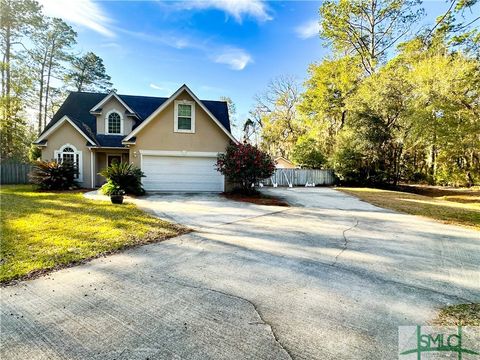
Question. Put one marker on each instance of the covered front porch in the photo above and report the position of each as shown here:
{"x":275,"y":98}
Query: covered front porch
{"x":103,"y":157}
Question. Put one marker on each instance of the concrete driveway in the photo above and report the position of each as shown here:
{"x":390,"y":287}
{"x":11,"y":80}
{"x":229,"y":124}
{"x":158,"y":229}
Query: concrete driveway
{"x":328,"y":278}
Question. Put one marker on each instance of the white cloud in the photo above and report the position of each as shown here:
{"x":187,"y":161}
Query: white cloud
{"x":156,"y":87}
{"x":308,"y":29}
{"x":236,"y":59}
{"x":256,"y":9}
{"x":165,"y":87}
{"x":85,"y":13}
{"x":165,"y":38}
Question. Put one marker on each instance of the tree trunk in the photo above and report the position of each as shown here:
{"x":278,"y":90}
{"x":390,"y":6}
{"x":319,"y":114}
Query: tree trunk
{"x":8,"y":115}
{"x":397,"y":165}
{"x":47,"y":89}
{"x":342,"y":121}
{"x":80,"y":81}
{"x":433,"y":163}
{"x":372,"y":30}
{"x":4,"y":61}
{"x":433,"y":155}
{"x":40,"y":94}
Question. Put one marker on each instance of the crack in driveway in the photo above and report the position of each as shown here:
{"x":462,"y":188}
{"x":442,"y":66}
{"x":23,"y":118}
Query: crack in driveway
{"x":337,"y":265}
{"x":254,"y":217}
{"x":345,"y":244}
{"x":263,"y":321}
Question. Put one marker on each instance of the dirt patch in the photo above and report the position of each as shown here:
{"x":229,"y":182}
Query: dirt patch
{"x":462,"y":314}
{"x":259,"y":199}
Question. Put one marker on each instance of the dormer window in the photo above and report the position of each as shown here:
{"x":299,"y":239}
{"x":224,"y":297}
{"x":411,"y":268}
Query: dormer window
{"x":184,"y":116}
{"x":114,"y":123}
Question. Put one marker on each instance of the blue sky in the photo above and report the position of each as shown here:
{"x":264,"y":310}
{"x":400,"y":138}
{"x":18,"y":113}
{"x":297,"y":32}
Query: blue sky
{"x":217,"y":47}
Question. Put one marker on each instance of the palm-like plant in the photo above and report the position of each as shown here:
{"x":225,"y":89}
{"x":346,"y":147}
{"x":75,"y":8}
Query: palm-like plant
{"x":53,"y":175}
{"x":122,"y":176}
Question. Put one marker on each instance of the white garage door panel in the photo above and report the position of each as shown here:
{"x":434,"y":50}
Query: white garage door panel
{"x":170,"y":173}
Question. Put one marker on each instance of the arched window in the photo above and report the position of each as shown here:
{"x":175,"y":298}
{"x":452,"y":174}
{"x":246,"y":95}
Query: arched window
{"x":69,"y":153}
{"x":114,"y":123}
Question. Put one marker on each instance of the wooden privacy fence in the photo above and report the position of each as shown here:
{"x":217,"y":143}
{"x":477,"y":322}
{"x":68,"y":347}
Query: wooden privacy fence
{"x":14,"y":173}
{"x":300,"y":177}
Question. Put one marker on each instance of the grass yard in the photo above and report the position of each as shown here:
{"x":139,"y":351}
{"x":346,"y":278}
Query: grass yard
{"x":462,"y":314}
{"x":460,"y":207}
{"x":47,"y":230}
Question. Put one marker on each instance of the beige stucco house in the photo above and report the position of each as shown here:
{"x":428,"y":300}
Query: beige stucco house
{"x":175,"y":140}
{"x":282,"y":163}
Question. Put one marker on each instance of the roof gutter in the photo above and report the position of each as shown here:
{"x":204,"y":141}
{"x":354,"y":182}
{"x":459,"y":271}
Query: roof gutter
{"x":107,"y":147}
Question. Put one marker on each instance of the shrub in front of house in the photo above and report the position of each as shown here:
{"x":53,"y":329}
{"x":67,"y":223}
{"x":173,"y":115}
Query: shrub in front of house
{"x":122,"y":176}
{"x":52,"y":175}
{"x":245,"y":165}
{"x":34,"y":153}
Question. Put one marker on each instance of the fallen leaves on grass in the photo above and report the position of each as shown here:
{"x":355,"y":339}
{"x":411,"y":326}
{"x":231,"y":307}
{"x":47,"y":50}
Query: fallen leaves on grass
{"x":460,"y":209}
{"x":462,"y":314}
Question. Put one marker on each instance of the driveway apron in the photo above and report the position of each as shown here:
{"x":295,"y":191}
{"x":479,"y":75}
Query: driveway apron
{"x":330,"y":277}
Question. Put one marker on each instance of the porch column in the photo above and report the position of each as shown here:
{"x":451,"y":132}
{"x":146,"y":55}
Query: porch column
{"x":92,"y":167}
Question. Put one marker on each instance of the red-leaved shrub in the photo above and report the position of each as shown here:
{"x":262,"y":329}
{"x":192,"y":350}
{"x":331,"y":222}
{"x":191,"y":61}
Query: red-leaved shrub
{"x":245,"y":165}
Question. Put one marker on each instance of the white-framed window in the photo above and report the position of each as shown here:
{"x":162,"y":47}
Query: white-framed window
{"x":184,"y":116}
{"x":70,"y":153}
{"x":114,"y":123}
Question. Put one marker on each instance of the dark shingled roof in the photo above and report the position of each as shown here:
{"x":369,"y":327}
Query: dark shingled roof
{"x":110,"y":140}
{"x":77,"y":107}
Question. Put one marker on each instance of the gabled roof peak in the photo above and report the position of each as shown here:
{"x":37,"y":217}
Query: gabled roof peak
{"x":77,"y":107}
{"x":108,"y":97}
{"x":72,"y":122}
{"x":182,"y":88}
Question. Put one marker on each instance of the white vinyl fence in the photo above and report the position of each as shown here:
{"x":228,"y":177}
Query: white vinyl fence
{"x":300,"y":177}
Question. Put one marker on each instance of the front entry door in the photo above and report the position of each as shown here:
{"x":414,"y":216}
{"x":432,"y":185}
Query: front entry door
{"x":113,"y":158}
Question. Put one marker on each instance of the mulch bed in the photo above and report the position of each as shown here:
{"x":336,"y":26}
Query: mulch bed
{"x":259,"y":199}
{"x":66,"y":191}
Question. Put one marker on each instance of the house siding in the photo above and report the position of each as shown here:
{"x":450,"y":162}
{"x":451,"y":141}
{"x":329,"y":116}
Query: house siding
{"x":282,"y":164}
{"x":159,"y":134}
{"x":67,"y":134}
{"x":114,"y":104}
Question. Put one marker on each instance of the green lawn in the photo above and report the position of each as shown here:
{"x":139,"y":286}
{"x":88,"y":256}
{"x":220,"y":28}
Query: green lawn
{"x":462,"y":314}
{"x":46,"y":230}
{"x":453,"y":207}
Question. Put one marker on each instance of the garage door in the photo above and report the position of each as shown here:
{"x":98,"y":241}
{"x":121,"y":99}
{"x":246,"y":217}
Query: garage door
{"x":176,"y":173}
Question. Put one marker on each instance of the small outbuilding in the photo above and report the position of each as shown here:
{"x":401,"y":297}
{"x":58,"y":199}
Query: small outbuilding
{"x":282,"y":163}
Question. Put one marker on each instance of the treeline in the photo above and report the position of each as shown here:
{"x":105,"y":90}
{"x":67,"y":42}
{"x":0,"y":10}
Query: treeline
{"x":39,"y":65}
{"x":386,"y":106}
